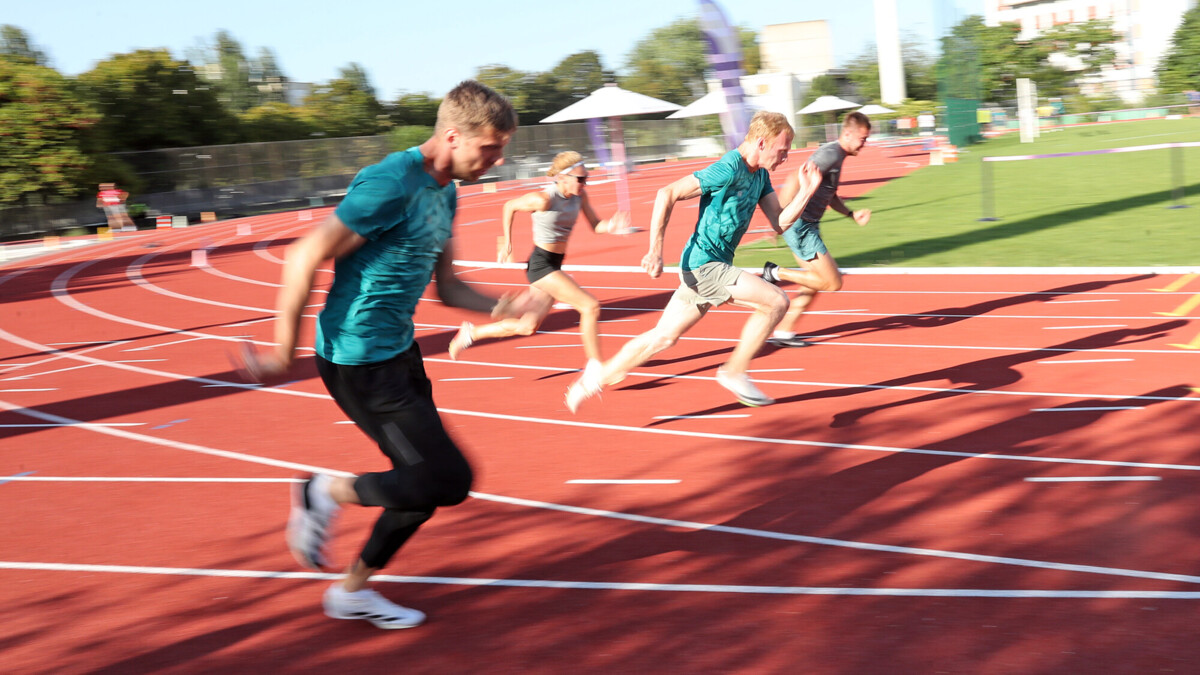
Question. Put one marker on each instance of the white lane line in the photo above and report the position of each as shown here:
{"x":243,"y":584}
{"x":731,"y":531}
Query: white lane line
{"x":177,"y":342}
{"x":700,"y":417}
{"x":546,"y":346}
{"x":473,"y":379}
{"x":774,"y":370}
{"x":1091,"y":479}
{"x":1111,"y":325}
{"x":1052,"y":363}
{"x":71,"y":424}
{"x":145,"y":479}
{"x":1089,"y":409}
{"x":620,"y":481}
{"x":616,"y":320}
{"x":7,"y":391}
{"x":1078,"y":302}
{"x":607,"y":585}
{"x":711,"y":527}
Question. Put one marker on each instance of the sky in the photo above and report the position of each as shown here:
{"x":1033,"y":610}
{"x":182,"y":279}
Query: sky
{"x":413,"y":46}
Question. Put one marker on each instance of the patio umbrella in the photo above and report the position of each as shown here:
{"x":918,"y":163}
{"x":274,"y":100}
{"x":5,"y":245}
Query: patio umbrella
{"x":875,"y":110}
{"x":827,"y":104}
{"x":613,"y":102}
{"x":712,"y":103}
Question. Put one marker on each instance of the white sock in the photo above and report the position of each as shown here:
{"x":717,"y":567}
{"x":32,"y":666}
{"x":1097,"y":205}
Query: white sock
{"x":783,"y":334}
{"x":318,"y":492}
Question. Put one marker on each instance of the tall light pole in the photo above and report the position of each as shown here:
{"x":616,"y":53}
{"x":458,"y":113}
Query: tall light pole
{"x":891,"y":63}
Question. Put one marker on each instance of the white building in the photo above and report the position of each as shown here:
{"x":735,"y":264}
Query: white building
{"x":1147,"y":27}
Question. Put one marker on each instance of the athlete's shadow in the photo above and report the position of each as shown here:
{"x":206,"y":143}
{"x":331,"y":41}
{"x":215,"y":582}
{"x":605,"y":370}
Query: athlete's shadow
{"x":982,"y":375}
{"x":951,"y":315}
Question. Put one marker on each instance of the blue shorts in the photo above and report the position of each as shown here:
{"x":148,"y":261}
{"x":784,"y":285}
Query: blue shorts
{"x":804,"y":238}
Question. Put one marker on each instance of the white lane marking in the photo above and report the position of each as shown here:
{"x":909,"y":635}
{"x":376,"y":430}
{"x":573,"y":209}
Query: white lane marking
{"x":1089,"y":409}
{"x":7,"y":391}
{"x":1111,"y":325}
{"x":144,"y":479}
{"x":774,"y":370}
{"x":1052,"y":363}
{"x":545,"y":346}
{"x":176,"y":342}
{"x":1078,"y":302}
{"x":616,"y":515}
{"x":623,"y":481}
{"x":473,"y":379}
{"x":1091,"y":479}
{"x":48,"y":425}
{"x":607,"y":585}
{"x":699,"y":417}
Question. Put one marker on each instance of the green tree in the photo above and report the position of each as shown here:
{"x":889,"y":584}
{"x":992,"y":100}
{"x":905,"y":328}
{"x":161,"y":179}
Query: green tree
{"x":669,"y":64}
{"x":275,"y":121}
{"x":41,"y":135}
{"x":347,"y":106}
{"x":1179,"y":69}
{"x":919,"y":79}
{"x":241,"y":82}
{"x":16,"y":46}
{"x":415,"y":109}
{"x":580,"y":74}
{"x":148,"y":100}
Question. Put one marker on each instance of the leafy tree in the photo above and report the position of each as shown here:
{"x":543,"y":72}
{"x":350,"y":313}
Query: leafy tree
{"x":241,"y":82}
{"x":347,"y":106}
{"x":275,"y":121}
{"x":16,"y":46}
{"x":415,"y":109}
{"x":148,"y":100}
{"x":41,"y":143}
{"x":1179,"y":69}
{"x":669,"y":64}
{"x":533,"y":95}
{"x":268,"y":79}
{"x":580,"y":74}
{"x":919,"y":79}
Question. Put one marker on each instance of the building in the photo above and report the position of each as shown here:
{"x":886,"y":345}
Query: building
{"x":1146,"y":25}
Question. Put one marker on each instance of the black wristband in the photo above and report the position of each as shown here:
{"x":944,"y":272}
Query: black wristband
{"x":851,"y":214}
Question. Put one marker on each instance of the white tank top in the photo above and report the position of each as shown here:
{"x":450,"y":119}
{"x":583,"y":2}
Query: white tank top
{"x":553,"y":226}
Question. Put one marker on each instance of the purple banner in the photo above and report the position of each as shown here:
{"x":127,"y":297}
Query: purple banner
{"x":725,"y":57}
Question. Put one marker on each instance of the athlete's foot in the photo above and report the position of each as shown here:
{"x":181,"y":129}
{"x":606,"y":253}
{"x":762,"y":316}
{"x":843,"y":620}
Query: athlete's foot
{"x":587,"y":386}
{"x":787,"y":341}
{"x":770,"y":272}
{"x":461,"y":340}
{"x":741,"y":387}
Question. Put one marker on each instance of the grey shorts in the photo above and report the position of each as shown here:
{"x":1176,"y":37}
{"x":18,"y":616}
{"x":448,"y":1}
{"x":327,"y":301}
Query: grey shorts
{"x":804,"y":238}
{"x":708,"y":284}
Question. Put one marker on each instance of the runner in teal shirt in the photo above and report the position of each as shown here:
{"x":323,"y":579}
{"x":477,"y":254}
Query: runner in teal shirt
{"x":729,"y":193}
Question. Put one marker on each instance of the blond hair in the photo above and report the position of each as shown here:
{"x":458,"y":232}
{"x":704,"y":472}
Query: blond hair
{"x":472,"y":107}
{"x":768,"y":125}
{"x":563,"y":161}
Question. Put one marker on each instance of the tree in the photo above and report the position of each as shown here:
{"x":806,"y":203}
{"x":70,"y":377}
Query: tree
{"x":241,"y":82}
{"x":669,"y":64}
{"x":148,"y":100}
{"x":275,"y":121}
{"x":347,"y":106}
{"x":415,"y":109}
{"x":580,"y":74}
{"x":16,"y":46}
{"x":533,"y":95}
{"x":919,"y":79}
{"x":41,"y":127}
{"x":1179,"y":69}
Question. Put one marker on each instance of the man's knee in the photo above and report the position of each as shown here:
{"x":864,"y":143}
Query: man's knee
{"x":455,"y":488}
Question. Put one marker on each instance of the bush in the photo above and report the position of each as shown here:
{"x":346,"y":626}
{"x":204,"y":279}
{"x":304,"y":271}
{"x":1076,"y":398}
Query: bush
{"x":403,"y":138}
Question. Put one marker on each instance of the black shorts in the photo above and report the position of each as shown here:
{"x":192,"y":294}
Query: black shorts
{"x":542,"y":263}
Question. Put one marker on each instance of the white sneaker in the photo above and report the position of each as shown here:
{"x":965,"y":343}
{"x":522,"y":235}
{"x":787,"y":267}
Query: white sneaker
{"x":587,"y":386}
{"x":462,"y":340}
{"x":310,"y":521}
{"x":368,"y":605}
{"x":743,"y":388}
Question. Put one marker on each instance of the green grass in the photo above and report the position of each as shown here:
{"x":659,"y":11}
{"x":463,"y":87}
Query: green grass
{"x":1105,"y":210}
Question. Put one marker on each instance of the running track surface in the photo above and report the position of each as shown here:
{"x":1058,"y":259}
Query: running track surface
{"x":913,"y":503}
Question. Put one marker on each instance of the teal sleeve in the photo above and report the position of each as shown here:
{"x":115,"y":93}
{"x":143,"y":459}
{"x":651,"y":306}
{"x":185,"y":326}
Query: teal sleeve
{"x":715,"y":177}
{"x":373,"y":205}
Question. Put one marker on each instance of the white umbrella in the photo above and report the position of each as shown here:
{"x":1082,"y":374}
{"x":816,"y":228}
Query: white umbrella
{"x":826,"y":104}
{"x":875,"y":110}
{"x":712,"y":103}
{"x":611,"y":101}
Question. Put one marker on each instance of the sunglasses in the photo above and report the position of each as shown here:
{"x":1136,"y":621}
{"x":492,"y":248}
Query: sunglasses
{"x":582,"y":179}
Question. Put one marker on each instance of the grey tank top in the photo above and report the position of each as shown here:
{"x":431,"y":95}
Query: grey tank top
{"x":553,"y":226}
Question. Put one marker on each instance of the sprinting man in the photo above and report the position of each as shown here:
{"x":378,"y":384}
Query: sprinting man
{"x":729,"y":190}
{"x":390,"y":235}
{"x":818,"y":270}
{"x":554,"y":212}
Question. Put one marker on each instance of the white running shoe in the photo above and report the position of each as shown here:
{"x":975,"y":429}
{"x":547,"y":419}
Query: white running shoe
{"x":368,"y":605}
{"x":310,"y":522}
{"x":743,"y":388}
{"x":587,"y":386}
{"x":462,"y":340}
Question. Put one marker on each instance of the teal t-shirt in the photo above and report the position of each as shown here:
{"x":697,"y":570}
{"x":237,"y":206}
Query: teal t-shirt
{"x":728,"y":194}
{"x":405,"y":216}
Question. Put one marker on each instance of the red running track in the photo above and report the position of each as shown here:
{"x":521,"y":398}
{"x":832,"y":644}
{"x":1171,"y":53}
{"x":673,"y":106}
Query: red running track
{"x":892,"y":513}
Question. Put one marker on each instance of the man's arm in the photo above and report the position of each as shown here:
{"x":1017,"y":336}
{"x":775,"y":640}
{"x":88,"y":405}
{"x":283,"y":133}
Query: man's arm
{"x":328,"y":239}
{"x":808,"y":179}
{"x":687,"y":187}
{"x":457,"y":293}
{"x":861,"y":216}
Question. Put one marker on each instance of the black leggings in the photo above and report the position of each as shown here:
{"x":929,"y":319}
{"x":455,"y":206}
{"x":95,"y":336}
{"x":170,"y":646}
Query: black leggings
{"x":392,"y":402}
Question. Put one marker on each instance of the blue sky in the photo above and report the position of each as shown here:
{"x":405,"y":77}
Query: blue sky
{"x":407,"y":45}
